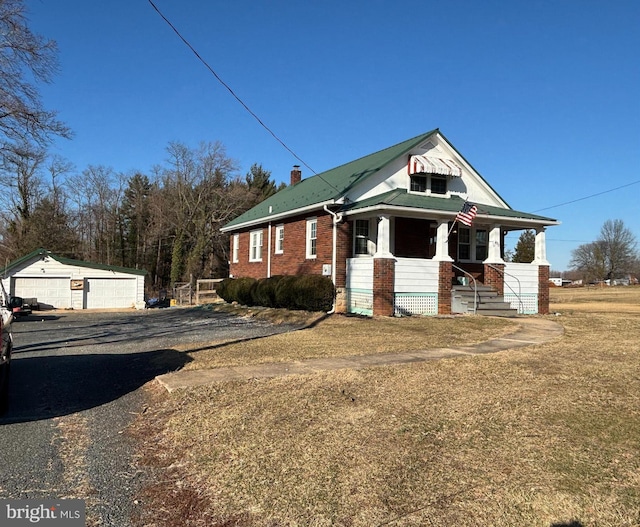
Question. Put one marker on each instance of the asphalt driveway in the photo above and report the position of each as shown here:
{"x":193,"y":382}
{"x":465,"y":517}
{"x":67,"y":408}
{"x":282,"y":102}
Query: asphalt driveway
{"x":75,"y":386}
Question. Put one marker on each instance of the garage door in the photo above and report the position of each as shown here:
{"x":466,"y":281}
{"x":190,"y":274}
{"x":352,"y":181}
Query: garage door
{"x":110,"y":292}
{"x":50,"y":292}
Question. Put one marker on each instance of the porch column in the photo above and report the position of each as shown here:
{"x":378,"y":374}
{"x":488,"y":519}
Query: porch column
{"x":384,"y":271}
{"x":493,"y":251}
{"x":383,"y":243}
{"x":541,"y":247}
{"x":442,"y":242}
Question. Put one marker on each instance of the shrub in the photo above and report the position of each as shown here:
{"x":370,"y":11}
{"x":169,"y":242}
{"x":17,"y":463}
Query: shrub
{"x":306,"y":292}
{"x":264,"y":294}
{"x":243,"y":290}
{"x":314,"y":292}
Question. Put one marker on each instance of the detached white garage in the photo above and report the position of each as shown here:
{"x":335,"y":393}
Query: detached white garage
{"x":63,"y":283}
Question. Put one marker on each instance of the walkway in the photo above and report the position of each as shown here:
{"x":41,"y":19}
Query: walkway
{"x":531,"y":331}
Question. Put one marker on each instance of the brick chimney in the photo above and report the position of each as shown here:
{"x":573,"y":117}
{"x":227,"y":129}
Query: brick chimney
{"x":296,"y":175}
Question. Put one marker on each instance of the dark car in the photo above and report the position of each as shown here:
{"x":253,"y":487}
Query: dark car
{"x":19,"y":307}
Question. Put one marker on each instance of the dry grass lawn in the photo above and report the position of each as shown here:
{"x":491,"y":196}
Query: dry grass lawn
{"x":546,"y":435}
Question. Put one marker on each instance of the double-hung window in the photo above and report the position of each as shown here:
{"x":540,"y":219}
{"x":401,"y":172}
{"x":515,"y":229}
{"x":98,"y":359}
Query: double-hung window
{"x":361,"y":237}
{"x":236,"y":248}
{"x":279,"y":239}
{"x":312,"y":237}
{"x":428,"y":184}
{"x":255,"y":246}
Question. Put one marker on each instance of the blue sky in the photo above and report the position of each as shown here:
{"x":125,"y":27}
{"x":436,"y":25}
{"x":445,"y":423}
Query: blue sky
{"x":542,"y":97}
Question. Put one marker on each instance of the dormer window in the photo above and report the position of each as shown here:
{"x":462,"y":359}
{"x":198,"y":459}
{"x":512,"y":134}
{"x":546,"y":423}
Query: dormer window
{"x":430,"y":175}
{"x":428,"y":184}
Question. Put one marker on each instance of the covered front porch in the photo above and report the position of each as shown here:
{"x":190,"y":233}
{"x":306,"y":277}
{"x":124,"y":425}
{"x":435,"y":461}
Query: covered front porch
{"x":411,"y":266}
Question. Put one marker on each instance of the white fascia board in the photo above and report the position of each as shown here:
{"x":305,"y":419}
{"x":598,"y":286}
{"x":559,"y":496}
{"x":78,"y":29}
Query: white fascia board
{"x":436,"y":214}
{"x":282,"y":215}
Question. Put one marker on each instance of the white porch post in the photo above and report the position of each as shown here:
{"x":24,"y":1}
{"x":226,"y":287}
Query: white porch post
{"x":384,"y":236}
{"x":442,"y":242}
{"x":541,"y":247}
{"x":493,"y":253}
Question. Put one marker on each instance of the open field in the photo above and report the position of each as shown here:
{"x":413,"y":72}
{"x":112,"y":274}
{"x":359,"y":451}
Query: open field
{"x":546,"y":435}
{"x":596,"y":299}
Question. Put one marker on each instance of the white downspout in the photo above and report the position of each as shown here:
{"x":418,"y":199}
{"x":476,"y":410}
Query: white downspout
{"x":336,"y":218}
{"x":269,"y":252}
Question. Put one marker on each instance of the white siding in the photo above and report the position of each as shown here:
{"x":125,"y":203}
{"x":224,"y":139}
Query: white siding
{"x":360,"y":273}
{"x":416,"y":276}
{"x":521,"y":287}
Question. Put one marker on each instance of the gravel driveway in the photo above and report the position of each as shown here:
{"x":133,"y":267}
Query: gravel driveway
{"x":75,"y":380}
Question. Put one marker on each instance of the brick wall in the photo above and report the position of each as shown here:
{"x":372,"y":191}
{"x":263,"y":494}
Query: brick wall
{"x":543,"y":290}
{"x":293,"y":260}
{"x":494,"y":278}
{"x":444,"y":288}
{"x":384,"y":274}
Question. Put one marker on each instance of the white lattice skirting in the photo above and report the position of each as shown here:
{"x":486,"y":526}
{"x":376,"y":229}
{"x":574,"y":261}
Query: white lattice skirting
{"x":527,"y":305}
{"x":415,"y":304}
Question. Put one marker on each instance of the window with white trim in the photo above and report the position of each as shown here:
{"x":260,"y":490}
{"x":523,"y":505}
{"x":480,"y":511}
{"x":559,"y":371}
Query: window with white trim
{"x":236,"y":248}
{"x":255,"y":246}
{"x":423,"y":183}
{"x":472,"y":244}
{"x":312,"y":237}
{"x":361,"y":237}
{"x":279,"y":239}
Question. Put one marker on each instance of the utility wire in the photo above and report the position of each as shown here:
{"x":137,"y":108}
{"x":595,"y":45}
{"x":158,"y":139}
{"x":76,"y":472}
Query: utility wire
{"x":588,"y":197}
{"x":186,"y":42}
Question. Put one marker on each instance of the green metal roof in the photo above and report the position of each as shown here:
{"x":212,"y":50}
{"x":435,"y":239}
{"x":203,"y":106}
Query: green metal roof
{"x":327,"y":186}
{"x":68,"y":261}
{"x":402,"y":198}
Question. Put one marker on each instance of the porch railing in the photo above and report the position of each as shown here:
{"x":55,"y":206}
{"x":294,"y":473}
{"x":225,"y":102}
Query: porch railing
{"x":475,"y":287}
{"x":519,"y":293}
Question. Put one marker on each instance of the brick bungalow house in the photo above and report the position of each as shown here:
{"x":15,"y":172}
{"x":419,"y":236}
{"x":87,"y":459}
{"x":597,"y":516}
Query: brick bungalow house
{"x":383,"y":228}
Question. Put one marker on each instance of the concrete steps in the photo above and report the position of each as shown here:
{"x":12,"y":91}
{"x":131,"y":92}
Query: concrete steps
{"x":488,"y":302}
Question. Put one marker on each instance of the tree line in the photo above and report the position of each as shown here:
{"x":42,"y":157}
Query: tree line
{"x":166,"y":222}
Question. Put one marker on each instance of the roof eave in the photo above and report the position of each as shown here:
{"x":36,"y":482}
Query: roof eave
{"x":435,"y":213}
{"x":280,"y":216}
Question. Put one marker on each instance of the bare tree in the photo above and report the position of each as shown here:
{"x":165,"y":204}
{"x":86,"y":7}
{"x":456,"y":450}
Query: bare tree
{"x":612,"y":255}
{"x":26,"y":59}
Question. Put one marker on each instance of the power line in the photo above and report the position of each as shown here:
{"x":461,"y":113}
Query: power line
{"x":588,"y":197}
{"x":186,"y":42}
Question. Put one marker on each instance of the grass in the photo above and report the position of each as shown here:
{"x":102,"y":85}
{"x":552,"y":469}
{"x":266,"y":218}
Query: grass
{"x":546,"y":435}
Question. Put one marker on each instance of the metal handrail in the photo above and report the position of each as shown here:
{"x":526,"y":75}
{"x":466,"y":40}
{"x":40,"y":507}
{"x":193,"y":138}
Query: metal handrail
{"x":519,"y":293}
{"x":475,"y":287}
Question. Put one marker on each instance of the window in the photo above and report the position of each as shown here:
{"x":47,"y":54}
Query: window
{"x":279,"y":239}
{"x":428,"y":184}
{"x":464,"y":244}
{"x":418,"y":183}
{"x":312,"y":237}
{"x":255,"y":248}
{"x":438,"y":185}
{"x":236,"y":247}
{"x":481,"y":245}
{"x":472,"y":247}
{"x":361,"y":237}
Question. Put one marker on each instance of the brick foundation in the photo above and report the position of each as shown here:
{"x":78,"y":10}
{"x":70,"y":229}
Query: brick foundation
{"x":494,"y":278}
{"x":384,"y":275}
{"x":543,"y":290}
{"x":445,"y":278}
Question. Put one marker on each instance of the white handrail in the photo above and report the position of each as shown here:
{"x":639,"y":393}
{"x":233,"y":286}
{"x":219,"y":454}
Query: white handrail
{"x":519,"y":293}
{"x":475,"y":287}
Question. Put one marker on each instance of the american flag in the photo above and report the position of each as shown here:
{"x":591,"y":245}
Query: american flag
{"x":467,"y":213}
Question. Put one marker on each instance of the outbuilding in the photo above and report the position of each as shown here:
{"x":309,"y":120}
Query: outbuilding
{"x":63,"y":283}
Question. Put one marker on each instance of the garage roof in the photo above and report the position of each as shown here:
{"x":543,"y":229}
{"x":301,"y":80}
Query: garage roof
{"x":43,"y":253}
